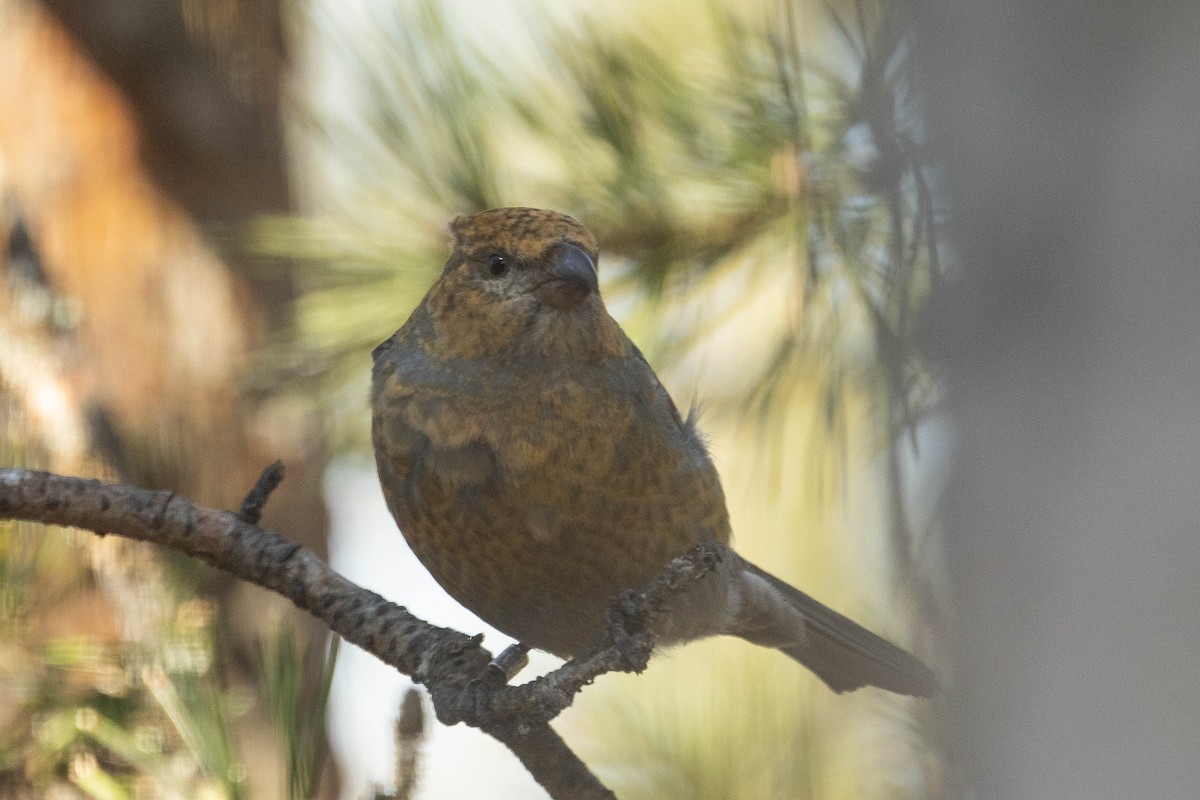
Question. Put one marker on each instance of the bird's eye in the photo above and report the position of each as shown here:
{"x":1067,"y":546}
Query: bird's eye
{"x":497,"y":264}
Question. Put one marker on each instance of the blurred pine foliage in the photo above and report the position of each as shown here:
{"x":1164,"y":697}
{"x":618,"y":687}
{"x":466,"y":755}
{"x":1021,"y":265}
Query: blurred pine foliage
{"x":722,"y":158}
{"x":757,"y":178}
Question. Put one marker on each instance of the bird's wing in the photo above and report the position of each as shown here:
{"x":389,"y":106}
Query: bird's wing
{"x":424,"y":421}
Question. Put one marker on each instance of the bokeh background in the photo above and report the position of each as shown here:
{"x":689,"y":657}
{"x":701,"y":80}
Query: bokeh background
{"x":929,"y":268}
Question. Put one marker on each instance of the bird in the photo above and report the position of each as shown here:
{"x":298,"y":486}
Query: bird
{"x":538,"y":468}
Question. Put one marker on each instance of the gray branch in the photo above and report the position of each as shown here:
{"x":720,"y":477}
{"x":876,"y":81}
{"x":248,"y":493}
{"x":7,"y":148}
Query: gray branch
{"x":452,"y":665}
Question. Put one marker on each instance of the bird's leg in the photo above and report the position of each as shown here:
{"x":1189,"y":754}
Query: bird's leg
{"x":504,"y":667}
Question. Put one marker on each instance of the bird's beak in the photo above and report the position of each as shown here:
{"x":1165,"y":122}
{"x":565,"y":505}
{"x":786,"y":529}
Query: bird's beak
{"x":571,"y":279}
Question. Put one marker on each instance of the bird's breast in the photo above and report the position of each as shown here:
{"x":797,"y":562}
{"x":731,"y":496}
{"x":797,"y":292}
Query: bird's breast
{"x":533,"y":502}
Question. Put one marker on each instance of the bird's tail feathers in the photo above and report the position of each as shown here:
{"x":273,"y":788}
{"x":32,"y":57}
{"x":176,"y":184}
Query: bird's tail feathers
{"x":842,"y":653}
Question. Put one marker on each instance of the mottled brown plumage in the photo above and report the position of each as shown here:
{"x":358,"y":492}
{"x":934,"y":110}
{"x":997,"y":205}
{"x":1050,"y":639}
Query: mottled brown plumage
{"x":537,"y":466}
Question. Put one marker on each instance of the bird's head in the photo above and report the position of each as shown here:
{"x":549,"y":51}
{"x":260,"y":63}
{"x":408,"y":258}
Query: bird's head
{"x":522,"y":278}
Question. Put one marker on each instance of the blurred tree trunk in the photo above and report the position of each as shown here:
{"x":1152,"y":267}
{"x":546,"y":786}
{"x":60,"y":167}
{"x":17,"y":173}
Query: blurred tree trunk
{"x":202,"y":81}
{"x":130,"y":132}
{"x":1071,"y":138}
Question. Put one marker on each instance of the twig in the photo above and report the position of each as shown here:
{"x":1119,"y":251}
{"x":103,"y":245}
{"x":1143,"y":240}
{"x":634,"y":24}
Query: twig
{"x":410,"y":732}
{"x":256,"y":499}
{"x":451,"y":664}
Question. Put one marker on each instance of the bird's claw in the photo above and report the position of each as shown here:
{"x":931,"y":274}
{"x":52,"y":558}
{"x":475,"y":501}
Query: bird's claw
{"x":475,"y":705}
{"x":505,"y":666}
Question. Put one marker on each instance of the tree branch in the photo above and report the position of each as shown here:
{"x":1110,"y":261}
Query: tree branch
{"x":451,"y":664}
{"x":256,"y":498}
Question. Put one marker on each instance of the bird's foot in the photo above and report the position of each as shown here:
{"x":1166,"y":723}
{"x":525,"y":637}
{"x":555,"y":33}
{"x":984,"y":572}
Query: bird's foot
{"x":629,"y":630}
{"x":504,"y":667}
{"x":476,"y":706}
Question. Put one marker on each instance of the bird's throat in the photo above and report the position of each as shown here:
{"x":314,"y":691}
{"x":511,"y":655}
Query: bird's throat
{"x":586,"y":333}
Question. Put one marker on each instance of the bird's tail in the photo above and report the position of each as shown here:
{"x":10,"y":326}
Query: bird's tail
{"x":842,"y":653}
